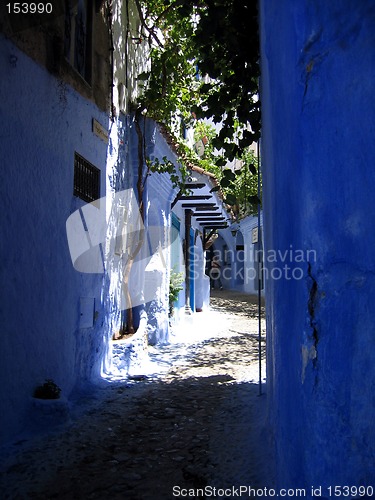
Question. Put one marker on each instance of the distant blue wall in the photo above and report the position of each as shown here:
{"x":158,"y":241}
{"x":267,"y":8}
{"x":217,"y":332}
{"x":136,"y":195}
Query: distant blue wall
{"x":318,"y":74}
{"x":42,"y":123}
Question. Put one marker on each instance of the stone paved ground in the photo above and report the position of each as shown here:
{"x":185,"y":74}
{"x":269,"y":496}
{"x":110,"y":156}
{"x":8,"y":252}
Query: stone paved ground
{"x":196,"y":423}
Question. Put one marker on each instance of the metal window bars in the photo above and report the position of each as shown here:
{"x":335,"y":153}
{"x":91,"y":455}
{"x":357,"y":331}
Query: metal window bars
{"x":86,"y":179}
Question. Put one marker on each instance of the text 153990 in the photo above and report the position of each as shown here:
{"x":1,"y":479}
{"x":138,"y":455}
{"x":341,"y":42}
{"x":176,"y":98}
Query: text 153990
{"x":29,"y":8}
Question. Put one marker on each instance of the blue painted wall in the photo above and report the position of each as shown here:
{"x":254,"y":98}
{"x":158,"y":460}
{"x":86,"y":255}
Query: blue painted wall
{"x":251,"y":253}
{"x":318,"y":74}
{"x":43,"y":122}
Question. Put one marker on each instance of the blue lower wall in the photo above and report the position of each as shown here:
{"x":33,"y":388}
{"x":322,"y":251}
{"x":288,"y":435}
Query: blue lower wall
{"x":42,"y":124}
{"x":318,"y":73}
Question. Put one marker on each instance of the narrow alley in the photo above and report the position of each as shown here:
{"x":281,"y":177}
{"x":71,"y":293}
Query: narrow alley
{"x":153,"y":149}
{"x":193,"y":420}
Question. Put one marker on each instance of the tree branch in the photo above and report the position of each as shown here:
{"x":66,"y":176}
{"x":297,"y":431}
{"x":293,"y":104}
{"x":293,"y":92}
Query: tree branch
{"x":144,"y":24}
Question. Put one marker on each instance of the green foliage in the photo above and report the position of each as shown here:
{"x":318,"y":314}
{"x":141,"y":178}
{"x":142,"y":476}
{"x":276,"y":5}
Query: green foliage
{"x":227,"y":47}
{"x":245,"y":185}
{"x":205,"y":131}
{"x":172,"y":85}
{"x":178,"y":178}
{"x":239,"y":184}
{"x":205,"y":64}
{"x":175,"y":286}
{"x":216,"y":39}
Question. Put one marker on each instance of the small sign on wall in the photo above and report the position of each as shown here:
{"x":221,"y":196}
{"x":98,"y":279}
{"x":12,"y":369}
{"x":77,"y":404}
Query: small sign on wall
{"x":99,"y":130}
{"x":254,"y":235}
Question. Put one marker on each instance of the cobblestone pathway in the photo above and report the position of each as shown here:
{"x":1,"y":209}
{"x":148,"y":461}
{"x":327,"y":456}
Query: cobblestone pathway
{"x":197,"y":424}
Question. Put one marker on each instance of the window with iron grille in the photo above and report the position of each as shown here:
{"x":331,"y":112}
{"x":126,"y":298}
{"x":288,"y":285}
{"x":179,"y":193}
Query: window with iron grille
{"x":86,"y":179}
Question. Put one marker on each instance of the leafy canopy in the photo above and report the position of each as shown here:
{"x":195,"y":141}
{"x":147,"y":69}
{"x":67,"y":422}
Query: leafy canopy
{"x":205,"y":64}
